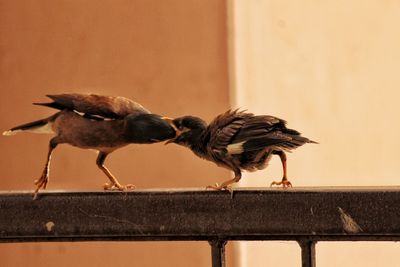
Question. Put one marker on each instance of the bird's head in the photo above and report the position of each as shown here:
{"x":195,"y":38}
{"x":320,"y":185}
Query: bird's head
{"x":190,"y":130}
{"x":149,"y":128}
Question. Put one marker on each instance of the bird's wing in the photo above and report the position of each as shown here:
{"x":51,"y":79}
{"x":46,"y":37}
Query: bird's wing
{"x":257,"y":126}
{"x":236,"y":132}
{"x":223,"y":129}
{"x":97,"y":105}
{"x":263,"y":131}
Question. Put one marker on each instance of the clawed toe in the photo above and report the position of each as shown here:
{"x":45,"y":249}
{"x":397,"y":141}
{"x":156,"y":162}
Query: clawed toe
{"x":118,"y":187}
{"x":129,"y":187}
{"x":40,"y":183}
{"x":284,"y":183}
{"x":215,"y":186}
{"x":219,"y":187}
{"x":108,"y":186}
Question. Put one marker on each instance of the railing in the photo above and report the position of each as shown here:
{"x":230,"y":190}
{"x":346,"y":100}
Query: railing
{"x":307,"y":215}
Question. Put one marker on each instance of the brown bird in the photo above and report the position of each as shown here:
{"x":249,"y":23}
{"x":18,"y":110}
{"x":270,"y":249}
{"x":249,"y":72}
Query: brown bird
{"x":103,"y":123}
{"x":239,"y":141}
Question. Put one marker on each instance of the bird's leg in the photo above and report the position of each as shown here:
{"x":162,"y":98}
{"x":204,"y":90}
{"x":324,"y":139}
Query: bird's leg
{"x":226,"y":184}
{"x":114,"y":185}
{"x":285,"y":182}
{"x":44,"y":179}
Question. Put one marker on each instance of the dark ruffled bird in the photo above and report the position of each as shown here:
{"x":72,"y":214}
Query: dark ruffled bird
{"x":103,"y":123}
{"x":238,"y":141}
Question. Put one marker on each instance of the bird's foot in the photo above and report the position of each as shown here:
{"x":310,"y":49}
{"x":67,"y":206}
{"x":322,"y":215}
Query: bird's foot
{"x":118,"y":187}
{"x":220,"y":187}
{"x":40,"y":183}
{"x":285,"y":183}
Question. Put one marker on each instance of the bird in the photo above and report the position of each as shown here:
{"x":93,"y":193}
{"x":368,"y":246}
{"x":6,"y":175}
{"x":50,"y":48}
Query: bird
{"x":102,"y":123}
{"x":239,"y":140}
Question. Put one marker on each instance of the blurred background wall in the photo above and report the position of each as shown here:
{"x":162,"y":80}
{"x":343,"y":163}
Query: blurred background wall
{"x":331,"y":69}
{"x":168,"y":55}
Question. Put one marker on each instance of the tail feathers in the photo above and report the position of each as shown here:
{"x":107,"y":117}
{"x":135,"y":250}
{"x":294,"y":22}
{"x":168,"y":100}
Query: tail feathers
{"x":296,"y":141}
{"x":39,"y":126}
{"x":288,"y":143}
{"x":8,"y":133}
{"x":54,"y":105}
{"x":297,"y":136}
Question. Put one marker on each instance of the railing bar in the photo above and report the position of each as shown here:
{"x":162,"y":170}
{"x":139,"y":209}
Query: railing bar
{"x":218,"y":253}
{"x":307,"y":253}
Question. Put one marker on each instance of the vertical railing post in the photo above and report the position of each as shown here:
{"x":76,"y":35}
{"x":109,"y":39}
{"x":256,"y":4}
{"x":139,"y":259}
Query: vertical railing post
{"x":307,"y":253}
{"x":218,"y":252}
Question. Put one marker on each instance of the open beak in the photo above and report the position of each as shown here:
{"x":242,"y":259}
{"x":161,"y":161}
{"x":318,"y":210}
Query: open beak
{"x":177,"y":131}
{"x":170,"y":141}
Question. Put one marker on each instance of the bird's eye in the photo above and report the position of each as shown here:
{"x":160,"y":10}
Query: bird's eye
{"x":183,"y":129}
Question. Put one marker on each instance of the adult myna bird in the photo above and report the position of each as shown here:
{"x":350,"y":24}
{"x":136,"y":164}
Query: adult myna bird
{"x":103,"y":123}
{"x":238,"y":140}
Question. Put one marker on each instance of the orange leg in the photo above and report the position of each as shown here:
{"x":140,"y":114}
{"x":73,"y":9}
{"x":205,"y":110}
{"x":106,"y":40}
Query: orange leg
{"x":114,"y":185}
{"x":285,"y":182}
{"x":44,"y":179}
{"x":226,"y":184}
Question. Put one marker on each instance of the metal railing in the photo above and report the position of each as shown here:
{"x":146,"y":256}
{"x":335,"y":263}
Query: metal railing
{"x":306,"y":215}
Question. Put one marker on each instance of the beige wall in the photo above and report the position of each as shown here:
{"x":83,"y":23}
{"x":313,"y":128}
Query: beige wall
{"x":331,"y":69}
{"x":168,"y":55}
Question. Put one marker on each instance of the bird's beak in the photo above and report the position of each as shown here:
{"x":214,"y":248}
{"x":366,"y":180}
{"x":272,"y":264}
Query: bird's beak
{"x":177,"y":131}
{"x":170,"y":141}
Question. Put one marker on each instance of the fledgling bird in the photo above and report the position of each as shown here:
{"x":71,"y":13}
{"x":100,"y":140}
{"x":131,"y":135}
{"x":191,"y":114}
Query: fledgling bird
{"x":238,"y":141}
{"x":103,"y":123}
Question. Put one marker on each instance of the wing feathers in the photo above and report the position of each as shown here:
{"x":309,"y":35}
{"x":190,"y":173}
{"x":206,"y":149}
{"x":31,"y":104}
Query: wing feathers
{"x":277,"y":140}
{"x":237,"y":132}
{"x":96,"y":105}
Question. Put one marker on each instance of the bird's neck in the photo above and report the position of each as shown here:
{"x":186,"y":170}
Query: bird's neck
{"x":200,"y":142}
